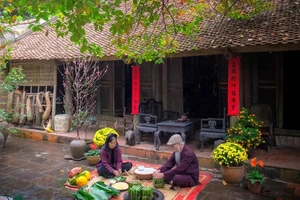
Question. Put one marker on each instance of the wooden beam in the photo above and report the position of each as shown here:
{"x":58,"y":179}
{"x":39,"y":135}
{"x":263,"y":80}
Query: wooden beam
{"x":201,"y":52}
{"x":246,"y":49}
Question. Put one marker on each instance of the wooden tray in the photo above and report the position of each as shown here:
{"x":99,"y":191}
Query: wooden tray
{"x":122,"y":186}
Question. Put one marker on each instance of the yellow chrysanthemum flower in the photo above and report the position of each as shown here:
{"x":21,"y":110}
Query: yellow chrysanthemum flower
{"x":230,"y":154}
{"x":100,"y":135}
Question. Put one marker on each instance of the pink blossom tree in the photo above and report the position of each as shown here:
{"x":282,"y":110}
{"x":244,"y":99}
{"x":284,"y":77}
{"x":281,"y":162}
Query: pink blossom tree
{"x":80,"y":80}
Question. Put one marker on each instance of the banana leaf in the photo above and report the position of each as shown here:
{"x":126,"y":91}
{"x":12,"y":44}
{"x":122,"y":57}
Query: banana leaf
{"x":120,"y":178}
{"x":107,"y":188}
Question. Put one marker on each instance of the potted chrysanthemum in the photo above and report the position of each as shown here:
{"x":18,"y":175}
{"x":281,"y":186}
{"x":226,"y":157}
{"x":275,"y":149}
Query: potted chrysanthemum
{"x":246,"y":132}
{"x":101,"y":134}
{"x":231,"y":157}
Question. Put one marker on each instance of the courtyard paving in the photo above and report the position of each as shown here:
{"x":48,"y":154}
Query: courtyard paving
{"x":37,"y":169}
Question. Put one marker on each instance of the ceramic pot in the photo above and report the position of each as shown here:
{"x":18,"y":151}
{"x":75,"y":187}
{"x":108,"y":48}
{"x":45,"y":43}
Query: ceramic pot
{"x":77,"y":147}
{"x":4,"y":130}
{"x":254,"y":188}
{"x":62,"y":123}
{"x":88,"y":143}
{"x":232,"y":174}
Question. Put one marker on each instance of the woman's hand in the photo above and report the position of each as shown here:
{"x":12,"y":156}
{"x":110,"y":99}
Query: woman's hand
{"x":116,"y":173}
{"x":120,"y":171}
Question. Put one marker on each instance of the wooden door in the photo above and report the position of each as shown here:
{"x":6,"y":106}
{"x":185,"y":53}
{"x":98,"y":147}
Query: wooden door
{"x":174,"y":85}
{"x":147,"y":81}
{"x":110,"y":98}
{"x":105,"y":91}
{"x":119,"y":94}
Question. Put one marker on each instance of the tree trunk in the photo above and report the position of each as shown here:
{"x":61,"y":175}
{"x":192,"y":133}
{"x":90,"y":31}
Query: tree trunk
{"x":68,"y":97}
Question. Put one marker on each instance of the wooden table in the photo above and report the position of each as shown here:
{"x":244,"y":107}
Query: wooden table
{"x":171,"y":126}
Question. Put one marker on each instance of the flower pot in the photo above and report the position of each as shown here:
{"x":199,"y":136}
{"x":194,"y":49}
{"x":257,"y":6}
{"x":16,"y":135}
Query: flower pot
{"x":254,"y":188}
{"x":232,"y":174}
{"x":62,"y":123}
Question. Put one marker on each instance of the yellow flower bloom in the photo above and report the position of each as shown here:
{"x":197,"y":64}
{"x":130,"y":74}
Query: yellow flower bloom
{"x":230,"y":154}
{"x":100,"y":135}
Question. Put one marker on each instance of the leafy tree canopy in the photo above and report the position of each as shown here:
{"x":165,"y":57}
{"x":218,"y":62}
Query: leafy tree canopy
{"x":141,"y":30}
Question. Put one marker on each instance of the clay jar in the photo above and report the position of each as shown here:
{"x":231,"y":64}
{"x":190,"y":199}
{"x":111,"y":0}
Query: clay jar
{"x":77,"y":148}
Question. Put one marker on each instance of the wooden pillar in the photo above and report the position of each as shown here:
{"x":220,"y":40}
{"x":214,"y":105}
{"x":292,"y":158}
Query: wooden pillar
{"x":54,"y":95}
{"x":246,"y":83}
{"x":254,"y":79}
{"x":158,"y":82}
{"x":165,"y":84}
{"x":112,"y":88}
{"x":279,"y":88}
{"x":68,"y":104}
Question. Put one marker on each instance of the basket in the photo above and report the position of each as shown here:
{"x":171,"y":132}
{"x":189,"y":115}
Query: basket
{"x":93,"y":160}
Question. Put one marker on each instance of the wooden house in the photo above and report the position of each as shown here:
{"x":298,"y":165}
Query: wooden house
{"x":193,"y":80}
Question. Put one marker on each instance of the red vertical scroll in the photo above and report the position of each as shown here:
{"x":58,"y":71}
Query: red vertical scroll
{"x":135,"y":90}
{"x":233,"y":86}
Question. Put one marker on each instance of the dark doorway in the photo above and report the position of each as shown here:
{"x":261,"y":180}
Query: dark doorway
{"x":290,"y":83}
{"x":201,"y":86}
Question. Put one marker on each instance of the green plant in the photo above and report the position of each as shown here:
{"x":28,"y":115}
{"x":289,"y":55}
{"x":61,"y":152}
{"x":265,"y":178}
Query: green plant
{"x":158,"y":22}
{"x":254,"y":175}
{"x":9,"y":79}
{"x":230,"y":154}
{"x":93,"y":152}
{"x":247,"y":130}
{"x":16,"y":197}
{"x":100,"y":135}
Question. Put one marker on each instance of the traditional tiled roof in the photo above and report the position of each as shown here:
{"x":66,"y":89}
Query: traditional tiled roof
{"x":279,"y":26}
{"x":45,"y":45}
{"x":276,"y":27}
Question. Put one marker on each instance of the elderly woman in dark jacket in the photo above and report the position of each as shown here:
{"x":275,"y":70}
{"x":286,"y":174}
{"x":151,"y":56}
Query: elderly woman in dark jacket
{"x":111,"y":163}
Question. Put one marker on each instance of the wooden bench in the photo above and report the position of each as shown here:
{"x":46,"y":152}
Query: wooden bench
{"x":213,"y":128}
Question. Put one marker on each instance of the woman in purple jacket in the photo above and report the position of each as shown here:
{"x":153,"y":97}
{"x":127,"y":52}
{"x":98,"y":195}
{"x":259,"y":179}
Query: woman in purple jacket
{"x":182,"y":168}
{"x":111,"y":163}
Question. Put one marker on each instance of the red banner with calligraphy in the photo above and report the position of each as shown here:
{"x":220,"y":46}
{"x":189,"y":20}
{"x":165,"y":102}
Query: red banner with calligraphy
{"x":233,"y":86}
{"x":135,"y":99}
